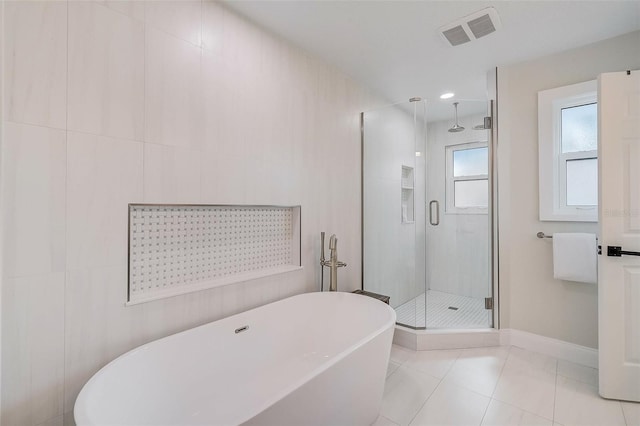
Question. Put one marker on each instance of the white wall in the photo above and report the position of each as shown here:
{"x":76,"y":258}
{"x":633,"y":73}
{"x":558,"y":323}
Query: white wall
{"x":109,"y":103}
{"x":394,"y":251}
{"x":458,"y":248}
{"x":531,"y":300}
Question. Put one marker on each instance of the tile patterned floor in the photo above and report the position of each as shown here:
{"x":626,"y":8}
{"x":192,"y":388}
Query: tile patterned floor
{"x":470,"y":312}
{"x":495,"y":386}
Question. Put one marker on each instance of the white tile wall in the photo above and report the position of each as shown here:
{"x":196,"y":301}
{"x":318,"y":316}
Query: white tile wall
{"x":103,"y":176}
{"x":33,"y":212}
{"x":178,"y":18}
{"x":212,"y":27}
{"x":173,"y":113}
{"x":98,"y":327}
{"x":133,"y":8}
{"x":36,"y":62}
{"x":55,"y":421}
{"x":223,"y":179}
{"x":168,"y":102}
{"x":106,"y":72}
{"x":32,"y":348}
{"x":171,"y":175}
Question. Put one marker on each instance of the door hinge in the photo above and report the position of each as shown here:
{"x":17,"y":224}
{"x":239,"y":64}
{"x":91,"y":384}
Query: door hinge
{"x":488,"y":302}
{"x":488,"y":123}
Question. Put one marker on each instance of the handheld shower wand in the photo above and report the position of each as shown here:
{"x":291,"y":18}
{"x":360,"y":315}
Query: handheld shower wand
{"x":333,"y":263}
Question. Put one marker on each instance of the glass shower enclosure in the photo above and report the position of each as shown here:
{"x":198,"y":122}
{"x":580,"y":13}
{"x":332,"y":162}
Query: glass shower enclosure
{"x":426,"y":204}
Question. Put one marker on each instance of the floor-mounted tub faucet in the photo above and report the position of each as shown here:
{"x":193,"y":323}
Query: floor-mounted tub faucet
{"x":333,"y":262}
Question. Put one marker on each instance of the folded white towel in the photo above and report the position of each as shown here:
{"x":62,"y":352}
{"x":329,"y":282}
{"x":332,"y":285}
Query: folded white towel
{"x":575,"y":257}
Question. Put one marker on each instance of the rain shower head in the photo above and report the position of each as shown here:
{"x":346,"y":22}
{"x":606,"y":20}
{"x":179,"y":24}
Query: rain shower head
{"x":456,"y":127}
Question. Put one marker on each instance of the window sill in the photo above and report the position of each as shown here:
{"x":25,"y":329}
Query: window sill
{"x":569,"y":218}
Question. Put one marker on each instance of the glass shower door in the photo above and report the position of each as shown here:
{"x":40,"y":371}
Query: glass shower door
{"x":458,"y":194}
{"x":393,"y":208}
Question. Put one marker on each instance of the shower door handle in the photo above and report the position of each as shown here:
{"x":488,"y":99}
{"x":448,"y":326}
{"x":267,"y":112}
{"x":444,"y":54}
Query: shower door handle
{"x":435,"y":222}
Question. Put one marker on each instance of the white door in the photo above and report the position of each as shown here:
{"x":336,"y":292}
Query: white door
{"x":619,"y":213}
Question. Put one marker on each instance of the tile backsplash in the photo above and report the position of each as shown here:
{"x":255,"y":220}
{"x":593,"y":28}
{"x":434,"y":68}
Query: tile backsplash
{"x":108,"y":103}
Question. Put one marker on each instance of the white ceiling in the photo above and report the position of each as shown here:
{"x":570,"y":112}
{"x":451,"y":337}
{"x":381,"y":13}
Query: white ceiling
{"x":395,"y":48}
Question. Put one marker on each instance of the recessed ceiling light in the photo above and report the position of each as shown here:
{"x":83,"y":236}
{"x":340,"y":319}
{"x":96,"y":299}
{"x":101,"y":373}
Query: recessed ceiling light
{"x":447,"y":95}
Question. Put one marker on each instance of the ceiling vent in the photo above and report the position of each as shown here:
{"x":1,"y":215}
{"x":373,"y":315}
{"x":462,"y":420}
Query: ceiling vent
{"x":472,"y":27}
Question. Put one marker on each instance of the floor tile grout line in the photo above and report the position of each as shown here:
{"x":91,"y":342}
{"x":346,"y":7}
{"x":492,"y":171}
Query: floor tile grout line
{"x":485,"y":411}
{"x":515,"y":406}
{"x":521,"y":409}
{"x":424,"y":372}
{"x":504,"y":364}
{"x":624,"y":416}
{"x":415,"y":370}
{"x":509,"y":355}
{"x":396,"y":370}
{"x":425,"y":401}
{"x":441,"y":380}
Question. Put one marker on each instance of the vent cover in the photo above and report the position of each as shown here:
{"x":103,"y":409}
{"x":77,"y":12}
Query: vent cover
{"x":456,"y":35}
{"x":481,"y":26}
{"x":472,"y":27}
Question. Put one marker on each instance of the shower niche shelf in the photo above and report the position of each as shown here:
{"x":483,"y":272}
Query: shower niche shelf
{"x":407,"y":210}
{"x":178,"y":248}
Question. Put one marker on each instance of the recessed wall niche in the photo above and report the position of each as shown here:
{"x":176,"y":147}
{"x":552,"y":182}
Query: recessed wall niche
{"x":407,"y":198}
{"x":177,"y":249}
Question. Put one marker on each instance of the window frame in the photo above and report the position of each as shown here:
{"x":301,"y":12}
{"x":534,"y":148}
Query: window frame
{"x":552,"y":162}
{"x":451,"y":208}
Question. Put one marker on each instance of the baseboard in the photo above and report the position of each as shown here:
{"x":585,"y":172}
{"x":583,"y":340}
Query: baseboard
{"x":548,"y":346}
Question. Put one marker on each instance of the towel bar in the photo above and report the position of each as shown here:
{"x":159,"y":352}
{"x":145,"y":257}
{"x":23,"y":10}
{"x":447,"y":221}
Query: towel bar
{"x":599,"y":247}
{"x":543,"y":235}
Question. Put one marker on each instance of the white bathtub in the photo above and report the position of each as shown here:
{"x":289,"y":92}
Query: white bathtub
{"x":311,"y":359}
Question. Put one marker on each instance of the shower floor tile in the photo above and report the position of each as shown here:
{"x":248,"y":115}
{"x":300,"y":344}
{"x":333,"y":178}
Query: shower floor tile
{"x":470,"y":312}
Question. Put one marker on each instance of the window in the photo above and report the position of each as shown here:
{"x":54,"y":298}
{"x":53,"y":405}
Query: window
{"x":568,"y":153}
{"x":467,"y":178}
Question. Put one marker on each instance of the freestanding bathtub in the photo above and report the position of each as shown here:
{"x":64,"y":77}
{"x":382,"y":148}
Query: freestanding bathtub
{"x":311,"y":359}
